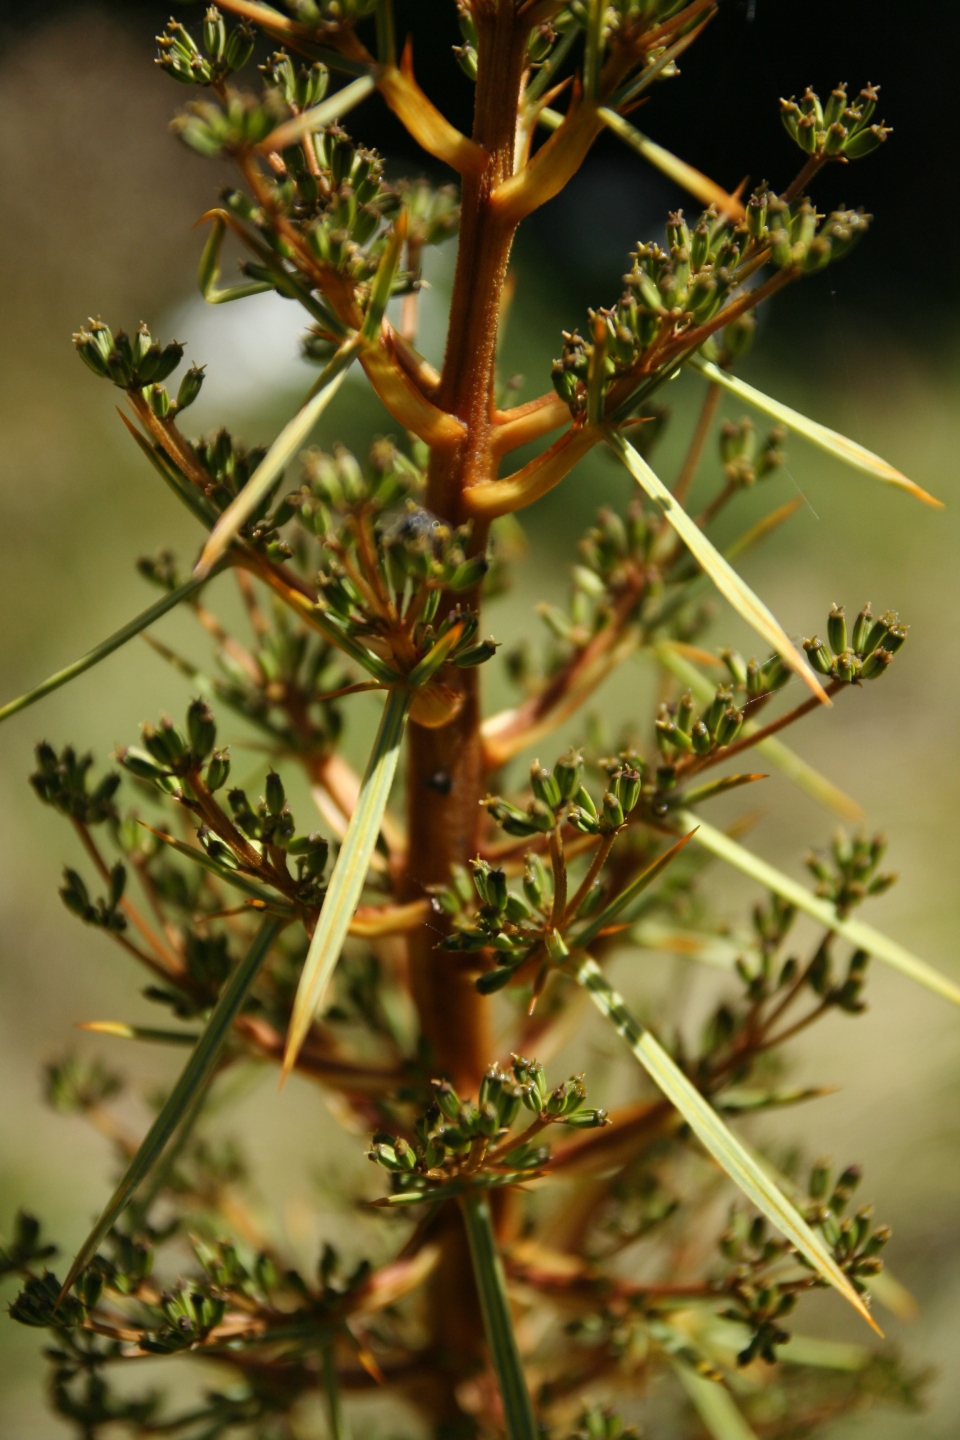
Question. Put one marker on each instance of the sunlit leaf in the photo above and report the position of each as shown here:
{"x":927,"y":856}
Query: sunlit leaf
{"x":714,"y":1404}
{"x":829,"y":440}
{"x":864,"y":937}
{"x":291,"y":132}
{"x":713,"y":1134}
{"x":107,"y":647}
{"x":721,"y":572}
{"x":287,"y":444}
{"x":627,"y":896}
{"x":349,"y":873}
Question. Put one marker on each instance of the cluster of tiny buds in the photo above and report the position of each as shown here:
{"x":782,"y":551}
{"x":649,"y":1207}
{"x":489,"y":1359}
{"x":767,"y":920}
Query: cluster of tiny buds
{"x":863,"y":655}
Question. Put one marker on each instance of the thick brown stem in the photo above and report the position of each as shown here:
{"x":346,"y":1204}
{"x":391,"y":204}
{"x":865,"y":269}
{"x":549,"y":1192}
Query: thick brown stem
{"x":445,"y":777}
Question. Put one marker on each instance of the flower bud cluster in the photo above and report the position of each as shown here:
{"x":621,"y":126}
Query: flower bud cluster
{"x":681,"y":730}
{"x":744,"y":460}
{"x":853,"y":875}
{"x":862,"y":655}
{"x":190,"y":1314}
{"x":61,"y":781}
{"x":336,"y":486}
{"x":135,"y":363}
{"x":220,"y":52}
{"x":104,"y":914}
{"x":229,"y":126}
{"x":76,"y":1085}
{"x":687,"y":284}
{"x":169,"y":754}
{"x":449,"y":1134}
{"x":838,"y":130}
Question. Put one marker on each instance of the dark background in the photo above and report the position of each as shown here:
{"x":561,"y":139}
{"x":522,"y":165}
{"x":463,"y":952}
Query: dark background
{"x":753,"y":52}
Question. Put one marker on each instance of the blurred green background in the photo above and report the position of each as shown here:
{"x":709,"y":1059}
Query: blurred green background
{"x":98,"y":203}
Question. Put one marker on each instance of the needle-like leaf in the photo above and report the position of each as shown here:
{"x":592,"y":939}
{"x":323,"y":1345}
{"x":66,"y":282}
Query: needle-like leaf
{"x":864,"y":937}
{"x":122,"y":1031}
{"x":197,"y":1071}
{"x":107,"y":647}
{"x":498,"y":1324}
{"x":627,"y":896}
{"x":713,"y":1134}
{"x":349,"y":873}
{"x":829,"y":440}
{"x":281,"y":452}
{"x":817,"y":786}
{"x":714,"y":1404}
{"x":721,"y":572}
{"x":333,"y":108}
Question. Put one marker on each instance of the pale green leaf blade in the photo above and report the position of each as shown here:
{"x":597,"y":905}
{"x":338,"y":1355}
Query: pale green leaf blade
{"x":864,"y":937}
{"x":713,"y":1134}
{"x":349,"y":873}
{"x":197,"y":1071}
{"x":707,"y":191}
{"x":281,"y":452}
{"x":804,"y":776}
{"x":106,"y":647}
{"x":824,"y":1354}
{"x":122,"y":1031}
{"x":839,"y":446}
{"x":497,"y":1321}
{"x":333,"y":108}
{"x":630,"y":892}
{"x":714,"y":1404}
{"x":721,"y":572}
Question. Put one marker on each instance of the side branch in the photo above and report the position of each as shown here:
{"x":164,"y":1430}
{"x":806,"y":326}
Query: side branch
{"x":491,"y":498}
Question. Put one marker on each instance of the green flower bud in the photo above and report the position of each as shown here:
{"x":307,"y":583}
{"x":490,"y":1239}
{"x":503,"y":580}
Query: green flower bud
{"x":628,"y":786}
{"x":729,"y":727}
{"x":700,"y":738}
{"x":861,"y":629}
{"x":757,"y":215}
{"x":568,"y":773}
{"x":158,"y":400}
{"x":190,"y":386}
{"x":864,"y":142}
{"x":139,"y":763}
{"x":218,"y":770}
{"x":447,"y":1099}
{"x":875,"y":664}
{"x":686,"y":708}
{"x":612,"y":811}
{"x":588,"y":1119}
{"x":819,"y":1180}
{"x":818,"y":655}
{"x":534,"y":881}
{"x":469,"y":574}
{"x":545,"y":786}
{"x":239,"y":46}
{"x":493,"y":980}
{"x":214,"y":33}
{"x":736,"y":664}
{"x":847,"y":667}
{"x":275,"y":793}
{"x":201,"y":728}
{"x":496,"y":887}
{"x":837,"y":629}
